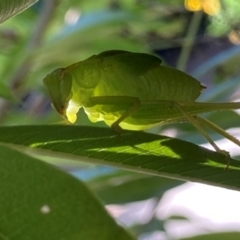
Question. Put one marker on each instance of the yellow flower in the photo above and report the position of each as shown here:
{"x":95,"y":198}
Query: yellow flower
{"x":210,"y":7}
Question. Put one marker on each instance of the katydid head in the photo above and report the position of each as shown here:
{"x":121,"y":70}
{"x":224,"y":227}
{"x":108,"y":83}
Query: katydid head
{"x":59,"y":86}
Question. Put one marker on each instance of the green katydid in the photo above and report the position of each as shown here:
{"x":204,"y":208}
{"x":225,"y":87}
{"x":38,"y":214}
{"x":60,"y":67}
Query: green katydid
{"x":132,"y":91}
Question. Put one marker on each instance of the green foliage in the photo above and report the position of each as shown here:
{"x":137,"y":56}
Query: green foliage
{"x":10,"y":8}
{"x":6,"y":93}
{"x":226,"y":19}
{"x":53,"y":34}
{"x":137,"y":151}
{"x":37,"y":202}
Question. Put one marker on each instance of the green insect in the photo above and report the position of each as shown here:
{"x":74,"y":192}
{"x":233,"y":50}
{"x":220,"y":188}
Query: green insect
{"x":132,"y":91}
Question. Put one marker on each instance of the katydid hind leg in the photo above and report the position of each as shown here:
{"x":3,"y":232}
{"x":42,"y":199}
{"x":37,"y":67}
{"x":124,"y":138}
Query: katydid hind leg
{"x":197,"y":124}
{"x":217,"y":129}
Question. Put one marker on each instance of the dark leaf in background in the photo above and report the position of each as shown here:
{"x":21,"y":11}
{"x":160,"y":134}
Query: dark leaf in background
{"x":10,"y":8}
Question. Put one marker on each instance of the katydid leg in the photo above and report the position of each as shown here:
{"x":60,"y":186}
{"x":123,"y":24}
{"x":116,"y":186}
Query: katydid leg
{"x":195,"y":123}
{"x":134,"y":104}
{"x":217,"y":129}
{"x":193,"y":120}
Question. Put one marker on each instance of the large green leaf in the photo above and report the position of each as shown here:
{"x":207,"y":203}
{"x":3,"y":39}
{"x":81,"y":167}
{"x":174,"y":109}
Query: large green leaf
{"x":10,"y":8}
{"x":39,"y":202}
{"x":136,"y":151}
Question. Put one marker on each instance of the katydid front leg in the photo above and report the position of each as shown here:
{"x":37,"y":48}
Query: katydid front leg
{"x":133,"y":102}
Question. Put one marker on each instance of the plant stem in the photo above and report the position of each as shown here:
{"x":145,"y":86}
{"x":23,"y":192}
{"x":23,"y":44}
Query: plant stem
{"x":189,"y":41}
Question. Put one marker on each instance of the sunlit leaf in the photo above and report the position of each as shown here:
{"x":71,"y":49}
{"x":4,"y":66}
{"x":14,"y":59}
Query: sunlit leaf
{"x":135,"y":151}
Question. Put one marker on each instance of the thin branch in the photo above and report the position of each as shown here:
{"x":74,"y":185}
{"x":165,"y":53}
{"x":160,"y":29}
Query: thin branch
{"x":34,"y":42}
{"x":189,"y":41}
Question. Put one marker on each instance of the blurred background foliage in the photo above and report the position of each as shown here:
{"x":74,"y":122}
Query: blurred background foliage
{"x":198,"y":36}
